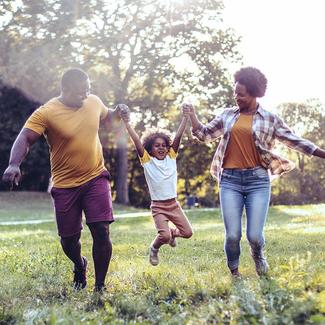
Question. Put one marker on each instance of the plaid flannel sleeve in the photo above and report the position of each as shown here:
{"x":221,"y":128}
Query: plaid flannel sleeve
{"x":285,"y":135}
{"x":211,"y":131}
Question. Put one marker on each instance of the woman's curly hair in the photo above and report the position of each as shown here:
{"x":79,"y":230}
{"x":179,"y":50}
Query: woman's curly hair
{"x":253,"y":79}
{"x":150,"y":135}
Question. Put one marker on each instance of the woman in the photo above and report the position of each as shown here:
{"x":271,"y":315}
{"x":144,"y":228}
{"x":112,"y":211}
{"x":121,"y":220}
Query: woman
{"x":244,"y":160}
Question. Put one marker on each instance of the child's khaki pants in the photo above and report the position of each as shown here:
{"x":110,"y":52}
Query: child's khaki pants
{"x":165,"y":211}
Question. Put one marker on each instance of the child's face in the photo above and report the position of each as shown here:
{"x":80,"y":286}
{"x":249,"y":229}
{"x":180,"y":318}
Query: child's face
{"x":159,"y":149}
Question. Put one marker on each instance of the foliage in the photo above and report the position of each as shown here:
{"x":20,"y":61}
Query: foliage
{"x":131,"y":49}
{"x":304,"y":184}
{"x":15,"y":108}
{"x":151,"y":55}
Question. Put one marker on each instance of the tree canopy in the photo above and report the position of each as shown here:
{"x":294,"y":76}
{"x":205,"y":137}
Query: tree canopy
{"x":151,"y":55}
{"x":148,"y":54}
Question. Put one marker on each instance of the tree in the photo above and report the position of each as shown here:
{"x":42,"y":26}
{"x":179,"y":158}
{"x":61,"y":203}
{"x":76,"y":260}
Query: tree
{"x":133,"y":49}
{"x":306,"y":119}
{"x":14,"y":110}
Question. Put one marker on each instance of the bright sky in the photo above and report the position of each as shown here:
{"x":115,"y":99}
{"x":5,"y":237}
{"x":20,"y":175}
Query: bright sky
{"x":285,"y":40}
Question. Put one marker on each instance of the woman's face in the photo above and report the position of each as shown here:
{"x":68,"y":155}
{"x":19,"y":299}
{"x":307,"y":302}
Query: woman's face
{"x":159,"y":149}
{"x":243,"y":99}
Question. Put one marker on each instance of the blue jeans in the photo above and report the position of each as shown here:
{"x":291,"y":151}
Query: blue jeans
{"x":239,"y":188}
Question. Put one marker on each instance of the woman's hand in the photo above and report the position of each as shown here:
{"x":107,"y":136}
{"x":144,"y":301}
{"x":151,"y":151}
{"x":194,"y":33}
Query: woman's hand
{"x":187,"y":110}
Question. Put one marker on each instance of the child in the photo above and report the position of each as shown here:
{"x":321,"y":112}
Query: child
{"x":158,"y":154}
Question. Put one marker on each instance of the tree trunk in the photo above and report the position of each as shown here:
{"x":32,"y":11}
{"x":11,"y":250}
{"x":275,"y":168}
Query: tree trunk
{"x":122,"y":190}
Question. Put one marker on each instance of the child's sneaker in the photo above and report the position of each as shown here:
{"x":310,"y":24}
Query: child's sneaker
{"x":153,"y":256}
{"x":173,"y":242}
{"x":79,"y":279}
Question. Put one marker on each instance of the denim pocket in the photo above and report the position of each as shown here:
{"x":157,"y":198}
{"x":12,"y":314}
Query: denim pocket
{"x":261,"y":173}
{"x":225,"y":175}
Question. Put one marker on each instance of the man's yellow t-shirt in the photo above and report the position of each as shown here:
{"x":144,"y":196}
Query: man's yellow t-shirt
{"x":76,"y":153}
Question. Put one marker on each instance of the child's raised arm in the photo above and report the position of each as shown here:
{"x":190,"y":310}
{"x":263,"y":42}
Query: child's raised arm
{"x":125,"y":116}
{"x":135,"y":138}
{"x":179,"y":134}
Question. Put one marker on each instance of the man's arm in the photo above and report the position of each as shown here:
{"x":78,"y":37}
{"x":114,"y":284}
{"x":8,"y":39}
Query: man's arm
{"x":25,"y":139}
{"x":113,"y":115}
{"x":120,"y":111}
{"x":179,"y":133}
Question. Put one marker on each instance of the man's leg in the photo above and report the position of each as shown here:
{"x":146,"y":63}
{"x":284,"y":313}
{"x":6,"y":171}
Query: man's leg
{"x":102,"y":251}
{"x":97,"y":205}
{"x":69,"y":222}
{"x":72,"y":248}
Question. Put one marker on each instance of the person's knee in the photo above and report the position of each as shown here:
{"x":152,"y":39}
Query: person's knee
{"x":99,"y":231}
{"x":70,"y":240}
{"x":255,"y":240}
{"x":233,"y":239}
{"x":188,"y":233}
{"x":164,"y":236}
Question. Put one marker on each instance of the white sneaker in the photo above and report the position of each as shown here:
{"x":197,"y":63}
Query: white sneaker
{"x":153,"y":256}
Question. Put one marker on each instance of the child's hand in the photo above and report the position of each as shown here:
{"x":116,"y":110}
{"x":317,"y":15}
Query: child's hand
{"x":124,"y":112}
{"x":187,"y":109}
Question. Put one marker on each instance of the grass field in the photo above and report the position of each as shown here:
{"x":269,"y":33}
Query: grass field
{"x":190,"y":286}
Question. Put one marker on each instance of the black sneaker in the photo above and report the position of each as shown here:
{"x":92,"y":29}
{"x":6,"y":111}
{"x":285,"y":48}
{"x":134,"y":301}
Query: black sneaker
{"x":80,"y":279}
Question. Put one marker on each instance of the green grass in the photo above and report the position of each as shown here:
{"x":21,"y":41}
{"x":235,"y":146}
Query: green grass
{"x":24,"y":206}
{"x":190,"y":286}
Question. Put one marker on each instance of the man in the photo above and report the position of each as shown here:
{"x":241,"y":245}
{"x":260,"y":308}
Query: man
{"x":70,"y":125}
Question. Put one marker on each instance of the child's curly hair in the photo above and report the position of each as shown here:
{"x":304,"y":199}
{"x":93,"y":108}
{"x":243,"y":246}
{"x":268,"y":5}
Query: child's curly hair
{"x":253,"y":79}
{"x":150,"y":135}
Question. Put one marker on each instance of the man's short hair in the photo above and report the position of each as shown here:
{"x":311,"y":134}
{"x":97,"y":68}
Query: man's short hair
{"x":73,"y":76}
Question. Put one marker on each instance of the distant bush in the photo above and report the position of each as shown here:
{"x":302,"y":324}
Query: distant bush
{"x":15,"y":108}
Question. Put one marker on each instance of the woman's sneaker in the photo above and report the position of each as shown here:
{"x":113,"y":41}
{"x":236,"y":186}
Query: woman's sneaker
{"x":235,"y":274}
{"x":80,"y":276}
{"x":153,"y":256}
{"x":261,"y":265}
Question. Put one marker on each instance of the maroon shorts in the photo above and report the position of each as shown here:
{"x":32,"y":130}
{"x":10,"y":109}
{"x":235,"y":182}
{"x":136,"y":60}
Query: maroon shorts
{"x":94,"y":198}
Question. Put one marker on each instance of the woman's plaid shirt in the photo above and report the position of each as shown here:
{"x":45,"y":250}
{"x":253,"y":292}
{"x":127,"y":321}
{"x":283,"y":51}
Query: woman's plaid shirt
{"x":267,"y":127}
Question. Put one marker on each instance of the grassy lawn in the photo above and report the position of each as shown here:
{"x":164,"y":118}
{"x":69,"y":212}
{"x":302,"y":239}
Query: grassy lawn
{"x":24,"y":206}
{"x":190,"y":286}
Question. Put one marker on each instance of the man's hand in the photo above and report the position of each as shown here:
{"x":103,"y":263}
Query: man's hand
{"x":124,"y":112}
{"x":187,"y":109}
{"x":12,"y":175}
